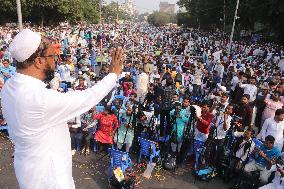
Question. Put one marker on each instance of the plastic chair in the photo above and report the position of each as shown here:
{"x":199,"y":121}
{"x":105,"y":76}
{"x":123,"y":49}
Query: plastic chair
{"x":148,"y":149}
{"x":100,"y":108}
{"x":64,"y":87}
{"x":196,"y":98}
{"x":119,"y":159}
{"x":119,"y":97}
{"x":196,"y":149}
{"x":257,"y":142}
{"x":4,"y":127}
{"x":165,"y":138}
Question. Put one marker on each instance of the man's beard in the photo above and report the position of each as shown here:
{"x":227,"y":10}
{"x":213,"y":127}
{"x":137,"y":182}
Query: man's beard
{"x":49,"y":74}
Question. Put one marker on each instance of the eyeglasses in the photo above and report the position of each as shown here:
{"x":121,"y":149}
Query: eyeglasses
{"x":55,"y":56}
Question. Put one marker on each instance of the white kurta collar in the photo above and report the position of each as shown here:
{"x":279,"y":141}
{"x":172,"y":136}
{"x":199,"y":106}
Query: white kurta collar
{"x":30,"y":79}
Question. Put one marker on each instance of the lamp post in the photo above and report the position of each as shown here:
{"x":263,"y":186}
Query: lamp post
{"x":19,"y":12}
{"x":233,"y":27}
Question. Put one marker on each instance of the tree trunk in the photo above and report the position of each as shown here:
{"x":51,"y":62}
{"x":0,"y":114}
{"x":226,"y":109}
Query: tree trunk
{"x":42,"y":20}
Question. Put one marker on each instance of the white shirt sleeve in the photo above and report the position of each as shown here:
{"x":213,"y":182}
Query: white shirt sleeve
{"x":248,"y":152}
{"x":61,"y":107}
{"x":262,"y":133}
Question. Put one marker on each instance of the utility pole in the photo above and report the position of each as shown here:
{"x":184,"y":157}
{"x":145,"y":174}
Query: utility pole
{"x":100,"y":11}
{"x":117,"y":12}
{"x":19,"y":12}
{"x":233,"y":27}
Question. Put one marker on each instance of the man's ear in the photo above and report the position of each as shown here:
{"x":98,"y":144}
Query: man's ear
{"x":38,"y":63}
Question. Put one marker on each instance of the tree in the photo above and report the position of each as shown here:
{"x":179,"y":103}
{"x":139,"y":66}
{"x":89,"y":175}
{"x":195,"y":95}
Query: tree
{"x":161,"y":18}
{"x":47,"y":12}
{"x":184,"y":18}
{"x":8,"y":11}
{"x":203,"y":13}
{"x":111,"y":12}
{"x":208,"y":14}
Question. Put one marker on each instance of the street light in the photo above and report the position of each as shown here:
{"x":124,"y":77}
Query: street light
{"x":19,"y":12}
{"x":233,"y":27}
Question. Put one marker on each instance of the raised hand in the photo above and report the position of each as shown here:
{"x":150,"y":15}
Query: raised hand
{"x":117,"y":61}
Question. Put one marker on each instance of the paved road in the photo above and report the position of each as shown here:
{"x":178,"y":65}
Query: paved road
{"x":89,"y":173}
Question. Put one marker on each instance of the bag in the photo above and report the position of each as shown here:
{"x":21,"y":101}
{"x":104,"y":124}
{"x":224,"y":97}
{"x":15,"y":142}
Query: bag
{"x":128,"y":183}
{"x":170,"y":162}
{"x":206,"y":174}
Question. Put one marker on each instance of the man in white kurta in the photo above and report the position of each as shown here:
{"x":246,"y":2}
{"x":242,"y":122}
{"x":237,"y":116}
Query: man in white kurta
{"x":37,"y":118}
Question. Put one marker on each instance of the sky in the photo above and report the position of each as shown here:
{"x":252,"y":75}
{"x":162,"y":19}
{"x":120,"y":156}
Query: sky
{"x":146,"y":5}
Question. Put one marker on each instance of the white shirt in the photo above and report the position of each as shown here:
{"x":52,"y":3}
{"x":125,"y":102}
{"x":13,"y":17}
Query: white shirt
{"x":64,"y":71}
{"x":220,"y":69}
{"x":234,"y":82}
{"x":37,"y":118}
{"x":241,"y":153}
{"x":55,"y":82}
{"x":278,"y":181}
{"x":281,"y":65}
{"x":251,"y":90}
{"x":271,"y":127}
{"x":197,"y":77}
{"x":221,"y":133}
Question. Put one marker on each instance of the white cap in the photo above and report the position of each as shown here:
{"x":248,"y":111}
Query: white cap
{"x":24,"y":45}
{"x":223,"y":88}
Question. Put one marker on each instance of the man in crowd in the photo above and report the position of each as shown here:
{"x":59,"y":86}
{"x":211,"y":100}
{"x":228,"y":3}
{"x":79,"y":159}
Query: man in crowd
{"x":7,"y":70}
{"x":263,"y":161}
{"x":38,"y":124}
{"x":244,"y":111}
{"x":274,"y":126}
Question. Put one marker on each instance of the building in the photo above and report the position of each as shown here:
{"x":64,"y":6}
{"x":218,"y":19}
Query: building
{"x":128,"y":7}
{"x":167,"y":7}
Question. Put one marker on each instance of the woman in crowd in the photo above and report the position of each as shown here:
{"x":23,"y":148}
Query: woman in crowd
{"x":108,"y":124}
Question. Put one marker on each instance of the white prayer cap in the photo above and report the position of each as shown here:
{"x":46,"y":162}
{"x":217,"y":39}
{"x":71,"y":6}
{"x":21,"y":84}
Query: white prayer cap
{"x":223,"y":88}
{"x":24,"y":45}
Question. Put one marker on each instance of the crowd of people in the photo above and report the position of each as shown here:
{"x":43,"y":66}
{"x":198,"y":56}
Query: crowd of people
{"x":177,"y":84}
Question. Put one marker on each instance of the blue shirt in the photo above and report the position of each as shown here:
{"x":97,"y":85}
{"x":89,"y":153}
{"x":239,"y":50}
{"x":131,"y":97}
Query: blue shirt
{"x":272,"y":153}
{"x":181,"y":123}
{"x":10,"y":70}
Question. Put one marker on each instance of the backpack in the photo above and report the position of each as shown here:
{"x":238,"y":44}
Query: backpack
{"x":170,"y":162}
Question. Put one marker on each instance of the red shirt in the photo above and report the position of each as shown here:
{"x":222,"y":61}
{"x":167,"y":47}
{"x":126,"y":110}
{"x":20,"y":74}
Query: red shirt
{"x":108,"y":123}
{"x":203,"y":125}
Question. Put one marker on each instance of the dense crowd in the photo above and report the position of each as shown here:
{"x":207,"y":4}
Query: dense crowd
{"x":178,"y":86}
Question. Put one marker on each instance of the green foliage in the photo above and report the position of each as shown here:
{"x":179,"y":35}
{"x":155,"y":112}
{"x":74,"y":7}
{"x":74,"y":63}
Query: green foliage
{"x":8,"y":11}
{"x":111,"y":13}
{"x":161,"y":18}
{"x":208,"y":14}
{"x":184,"y":18}
{"x":46,"y":12}
{"x":203,"y":13}
{"x":50,"y":11}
